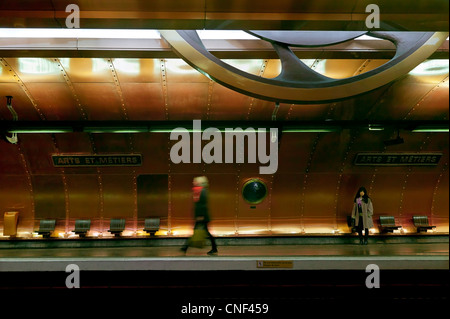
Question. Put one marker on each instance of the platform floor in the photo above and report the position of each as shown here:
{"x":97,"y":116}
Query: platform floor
{"x":286,"y":278}
{"x":299,"y":257}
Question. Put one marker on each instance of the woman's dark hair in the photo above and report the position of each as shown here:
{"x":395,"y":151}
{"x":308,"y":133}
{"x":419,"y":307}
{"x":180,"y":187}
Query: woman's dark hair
{"x":365,"y":197}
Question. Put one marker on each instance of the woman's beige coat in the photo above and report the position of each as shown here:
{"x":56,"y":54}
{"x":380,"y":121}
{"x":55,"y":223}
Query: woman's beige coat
{"x":367,"y":212}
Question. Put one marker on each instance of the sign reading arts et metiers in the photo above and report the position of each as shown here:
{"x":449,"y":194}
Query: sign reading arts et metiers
{"x":397,"y":159}
{"x":97,"y":160}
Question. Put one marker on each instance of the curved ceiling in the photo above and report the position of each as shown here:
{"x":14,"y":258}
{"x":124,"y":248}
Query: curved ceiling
{"x":71,"y":89}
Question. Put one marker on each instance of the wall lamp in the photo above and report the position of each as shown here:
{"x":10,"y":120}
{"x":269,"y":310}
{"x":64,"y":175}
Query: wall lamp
{"x":134,"y":129}
{"x":41,"y":130}
{"x":376,"y":127}
{"x":41,"y":127}
{"x":431,"y":129}
{"x":310,"y":129}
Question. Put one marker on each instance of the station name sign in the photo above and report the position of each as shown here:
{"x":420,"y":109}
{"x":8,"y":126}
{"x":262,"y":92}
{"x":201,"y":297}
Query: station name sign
{"x":97,"y":160}
{"x":397,"y":159}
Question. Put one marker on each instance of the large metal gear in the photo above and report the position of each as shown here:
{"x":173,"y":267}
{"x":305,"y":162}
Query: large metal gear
{"x":297,"y":83}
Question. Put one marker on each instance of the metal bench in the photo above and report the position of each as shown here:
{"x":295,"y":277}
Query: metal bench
{"x":421,"y":223}
{"x":152,"y":225}
{"x":117,"y":226}
{"x":46,"y":227}
{"x":387,"y":224}
{"x":82,"y":226}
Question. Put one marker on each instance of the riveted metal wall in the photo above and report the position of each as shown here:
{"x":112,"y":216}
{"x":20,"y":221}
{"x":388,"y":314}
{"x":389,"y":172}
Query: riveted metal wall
{"x":313,"y":190}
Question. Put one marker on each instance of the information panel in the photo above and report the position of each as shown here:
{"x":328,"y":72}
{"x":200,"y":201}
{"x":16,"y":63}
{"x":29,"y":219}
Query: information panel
{"x":274,"y":264}
{"x":397,"y":159}
{"x":97,"y":160}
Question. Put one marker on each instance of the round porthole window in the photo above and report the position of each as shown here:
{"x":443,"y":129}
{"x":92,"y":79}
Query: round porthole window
{"x":254,"y":191}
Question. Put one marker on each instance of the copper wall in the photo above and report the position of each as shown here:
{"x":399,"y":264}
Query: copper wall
{"x":311,"y":192}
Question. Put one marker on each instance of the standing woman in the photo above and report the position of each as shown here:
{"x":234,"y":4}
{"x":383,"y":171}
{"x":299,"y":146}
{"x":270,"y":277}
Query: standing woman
{"x":201,"y":211}
{"x":362,"y":214}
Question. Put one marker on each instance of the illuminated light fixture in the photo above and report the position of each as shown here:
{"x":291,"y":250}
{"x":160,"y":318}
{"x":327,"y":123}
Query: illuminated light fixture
{"x":99,"y":65}
{"x":115,"y":130}
{"x":41,"y":130}
{"x":36,"y":66}
{"x":431,"y":67}
{"x":175,"y":130}
{"x":130,"y":66}
{"x":190,"y":130}
{"x":375,"y":127}
{"x":367,"y":37}
{"x":78,"y":33}
{"x":127,"y":34}
{"x":24,"y":234}
{"x":225,"y":35}
{"x":309,"y":129}
{"x":178,"y":66}
{"x":430,"y":129}
{"x":160,"y":130}
{"x":317,"y":65}
{"x":244,"y":65}
{"x":116,"y":34}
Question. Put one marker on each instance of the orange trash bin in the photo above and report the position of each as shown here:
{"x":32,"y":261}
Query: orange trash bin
{"x":10,"y":223}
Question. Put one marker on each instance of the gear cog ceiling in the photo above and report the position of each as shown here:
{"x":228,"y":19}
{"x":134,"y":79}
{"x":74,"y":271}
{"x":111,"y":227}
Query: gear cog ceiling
{"x":297,"y":83}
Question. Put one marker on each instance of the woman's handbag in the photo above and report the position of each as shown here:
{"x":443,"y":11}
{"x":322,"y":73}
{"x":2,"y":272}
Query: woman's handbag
{"x":198,"y":239}
{"x":350,"y":221}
